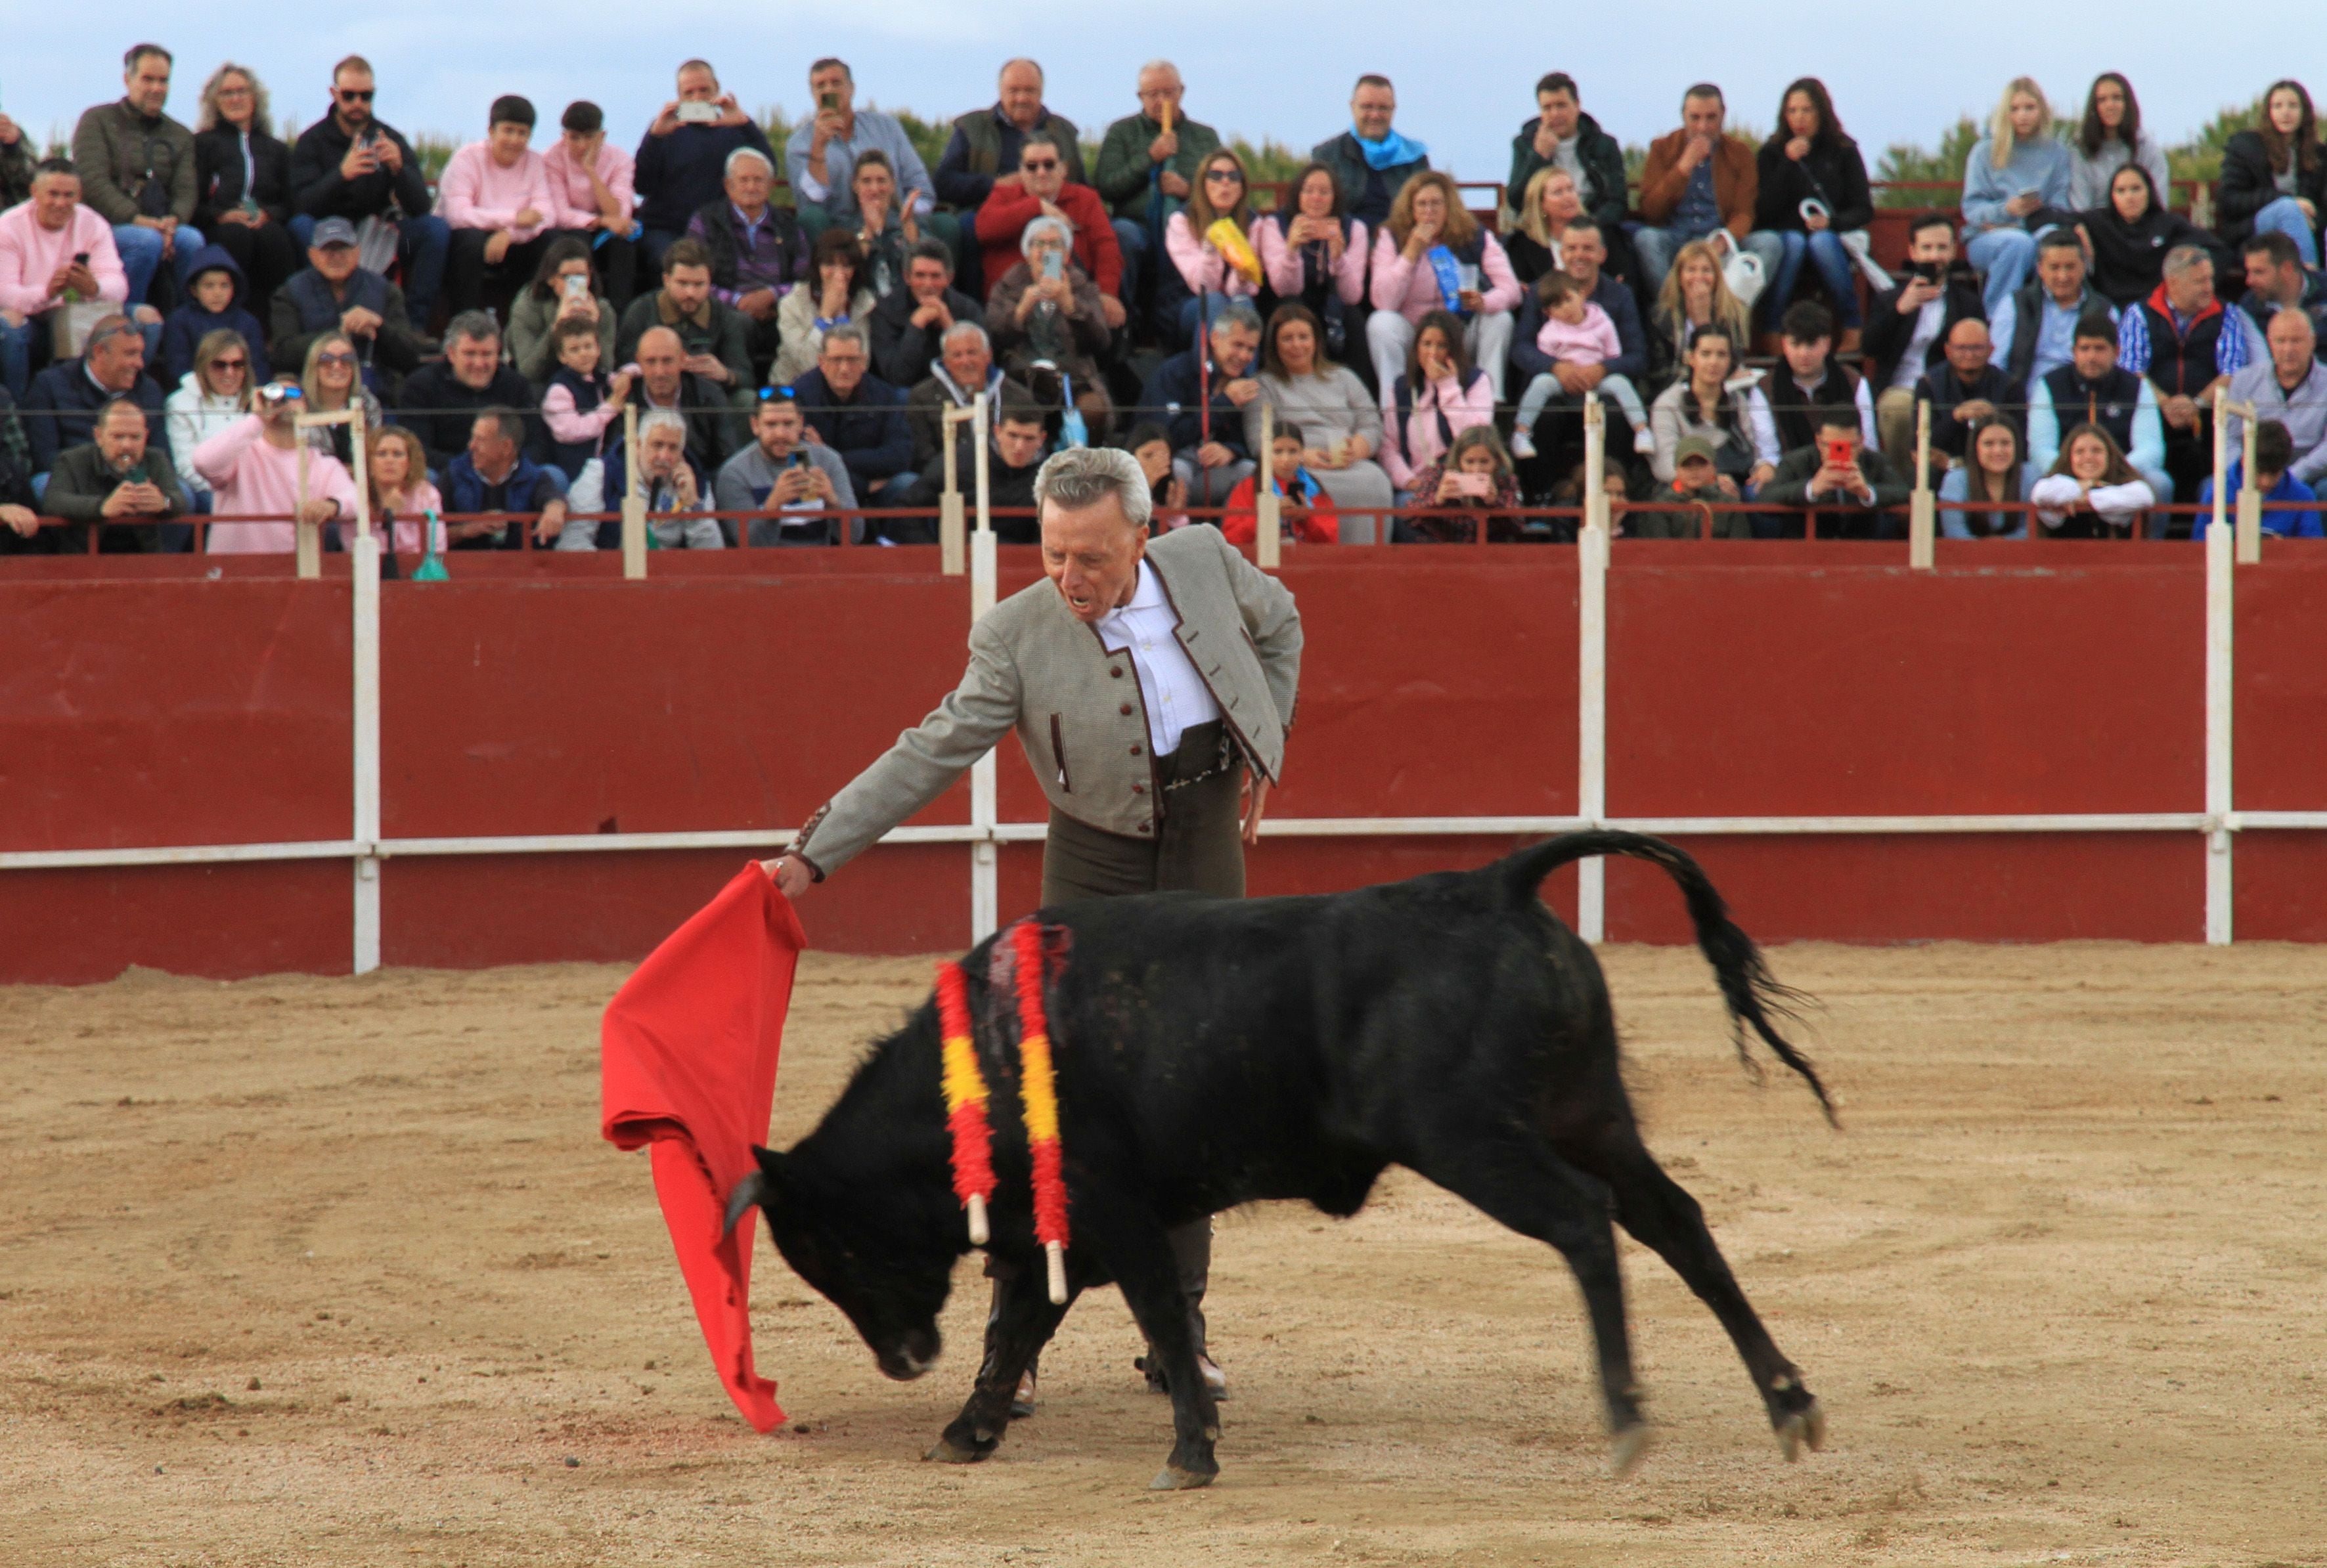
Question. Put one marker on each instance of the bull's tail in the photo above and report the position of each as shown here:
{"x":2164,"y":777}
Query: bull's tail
{"x":1755,"y":996}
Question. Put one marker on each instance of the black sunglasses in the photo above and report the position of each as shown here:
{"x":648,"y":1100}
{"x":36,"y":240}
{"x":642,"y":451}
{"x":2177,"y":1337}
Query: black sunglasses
{"x":354,"y":96}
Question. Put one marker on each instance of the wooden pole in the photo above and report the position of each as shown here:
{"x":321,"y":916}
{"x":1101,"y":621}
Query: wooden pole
{"x":309,"y":537}
{"x":634,"y":500}
{"x":1596,"y":461}
{"x":2220,"y":691}
{"x":2222,"y":467}
{"x":1591,"y":669}
{"x":1268,"y":506}
{"x":953,"y":546}
{"x":2249,"y":534}
{"x":985,"y":863}
{"x":1923,"y":505}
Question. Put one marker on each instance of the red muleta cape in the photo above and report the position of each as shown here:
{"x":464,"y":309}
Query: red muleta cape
{"x":688,"y":1063}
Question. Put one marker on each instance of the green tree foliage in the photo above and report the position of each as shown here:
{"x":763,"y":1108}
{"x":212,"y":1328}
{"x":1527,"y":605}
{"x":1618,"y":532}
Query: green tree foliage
{"x":2201,"y":157}
{"x":434,"y":151}
{"x":1909,"y":164}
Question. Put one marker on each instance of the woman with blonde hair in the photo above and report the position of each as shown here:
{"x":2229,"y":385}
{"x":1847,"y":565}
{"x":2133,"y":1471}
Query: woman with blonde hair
{"x":2016,"y":174}
{"x":1551,"y":203}
{"x":242,"y":180}
{"x":1433,"y":256}
{"x":395,"y":472}
{"x":1695,"y":294}
{"x":211,"y":396}
{"x":329,"y":382}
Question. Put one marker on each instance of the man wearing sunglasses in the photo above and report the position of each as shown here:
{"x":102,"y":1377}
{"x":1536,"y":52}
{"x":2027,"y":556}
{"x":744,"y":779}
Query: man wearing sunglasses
{"x":1044,"y":190}
{"x":136,"y":168}
{"x":349,"y":165}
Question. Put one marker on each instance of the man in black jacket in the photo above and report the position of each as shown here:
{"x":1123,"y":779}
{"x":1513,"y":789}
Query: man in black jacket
{"x":116,"y":485}
{"x":1584,"y":255}
{"x":2038,"y":326}
{"x":1907,"y":329}
{"x":1020,"y":432}
{"x":349,"y":165}
{"x":442,"y":398}
{"x":1963,"y":392}
{"x":2277,"y":279}
{"x":910,"y":324}
{"x":1852,"y":492}
{"x":1562,"y":135}
{"x":1811,"y":381}
{"x":61,"y":408}
{"x":682,"y":160}
{"x":1202,"y":404}
{"x":334,"y":295}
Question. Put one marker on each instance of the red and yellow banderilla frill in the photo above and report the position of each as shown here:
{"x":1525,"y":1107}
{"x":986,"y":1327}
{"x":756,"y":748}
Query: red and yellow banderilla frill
{"x":964,"y":1098}
{"x":1038,"y":1091}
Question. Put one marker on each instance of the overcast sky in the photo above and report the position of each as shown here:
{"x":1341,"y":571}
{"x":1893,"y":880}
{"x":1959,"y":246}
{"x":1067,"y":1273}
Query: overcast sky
{"x":1283,"y":70}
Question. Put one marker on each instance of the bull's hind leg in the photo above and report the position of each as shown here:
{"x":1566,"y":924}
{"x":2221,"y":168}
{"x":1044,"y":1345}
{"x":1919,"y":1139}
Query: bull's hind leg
{"x":1527,"y":1186}
{"x":1135,"y":1248}
{"x":1022,"y":1322}
{"x":1662,"y":1216}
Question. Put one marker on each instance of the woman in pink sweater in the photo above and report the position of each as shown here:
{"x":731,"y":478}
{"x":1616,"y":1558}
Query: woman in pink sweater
{"x":1319,"y":220}
{"x":1211,"y":276}
{"x":253,"y":469}
{"x":497,"y":197}
{"x":1433,"y":256}
{"x":1437,"y":396}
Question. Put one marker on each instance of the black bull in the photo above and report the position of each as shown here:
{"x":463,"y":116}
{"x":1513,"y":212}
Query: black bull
{"x":1211,"y":1053}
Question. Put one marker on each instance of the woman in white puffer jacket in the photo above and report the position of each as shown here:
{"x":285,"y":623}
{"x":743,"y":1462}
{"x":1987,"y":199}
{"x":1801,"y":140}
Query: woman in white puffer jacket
{"x":211,"y":396}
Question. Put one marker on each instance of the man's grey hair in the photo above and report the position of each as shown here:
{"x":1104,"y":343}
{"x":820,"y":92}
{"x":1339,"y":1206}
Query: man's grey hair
{"x":662,"y":419}
{"x":740,"y":154}
{"x":967,"y":330}
{"x":478,"y":326}
{"x":1040,"y":226}
{"x":1021,"y":60}
{"x":1083,"y":476}
{"x":846,"y":333}
{"x":2182,"y":258}
{"x":1239,"y":314}
{"x":1162,"y":65}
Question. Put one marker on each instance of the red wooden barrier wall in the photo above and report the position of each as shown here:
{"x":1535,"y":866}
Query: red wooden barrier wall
{"x":545,"y":696}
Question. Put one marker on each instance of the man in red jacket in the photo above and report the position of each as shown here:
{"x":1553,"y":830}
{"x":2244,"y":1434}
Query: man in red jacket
{"x":1043,"y":190}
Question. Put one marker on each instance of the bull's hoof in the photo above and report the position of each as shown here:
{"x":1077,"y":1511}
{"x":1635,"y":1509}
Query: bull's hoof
{"x":950,"y":1450}
{"x":1803,"y":1428}
{"x":1625,"y":1452}
{"x":1173,"y":1478}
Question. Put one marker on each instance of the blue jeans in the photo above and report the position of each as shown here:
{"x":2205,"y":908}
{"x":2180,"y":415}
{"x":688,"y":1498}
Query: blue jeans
{"x":16,"y":354}
{"x":141,"y":256}
{"x":1824,"y":250}
{"x":2282,"y":216}
{"x":421,"y":244}
{"x":2006,"y":255}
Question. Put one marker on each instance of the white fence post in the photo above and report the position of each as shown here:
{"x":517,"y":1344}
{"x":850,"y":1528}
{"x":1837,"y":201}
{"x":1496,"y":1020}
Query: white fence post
{"x":365,"y":643}
{"x":2219,"y":693}
{"x":984,"y":872}
{"x":1591,"y":671}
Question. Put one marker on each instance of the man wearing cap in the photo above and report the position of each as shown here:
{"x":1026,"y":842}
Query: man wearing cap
{"x":591,"y":180}
{"x":495,"y":195}
{"x":350,"y":165}
{"x":1143,"y":678}
{"x":333,"y":293}
{"x":1693,"y":480}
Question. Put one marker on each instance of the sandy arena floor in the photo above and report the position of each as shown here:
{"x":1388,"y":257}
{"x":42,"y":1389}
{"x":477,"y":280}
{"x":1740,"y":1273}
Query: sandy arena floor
{"x":332,"y":1271}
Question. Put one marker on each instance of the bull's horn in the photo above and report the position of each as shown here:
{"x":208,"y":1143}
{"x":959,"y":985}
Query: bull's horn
{"x":748,"y":1193}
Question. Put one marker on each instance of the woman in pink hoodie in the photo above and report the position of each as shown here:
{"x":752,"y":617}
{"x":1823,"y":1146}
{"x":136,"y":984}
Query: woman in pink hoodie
{"x":1437,"y":396}
{"x":1213,"y":275}
{"x":1433,"y":256}
{"x":497,"y":197}
{"x":253,"y":469}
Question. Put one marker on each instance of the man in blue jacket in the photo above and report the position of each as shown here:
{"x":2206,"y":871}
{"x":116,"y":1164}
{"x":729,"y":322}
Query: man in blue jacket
{"x":682,"y":162}
{"x":1583,"y":252}
{"x":857,"y":417}
{"x":1202,"y":404}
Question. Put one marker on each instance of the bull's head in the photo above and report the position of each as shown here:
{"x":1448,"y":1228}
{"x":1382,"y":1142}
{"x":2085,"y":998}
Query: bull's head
{"x":863,"y":1247}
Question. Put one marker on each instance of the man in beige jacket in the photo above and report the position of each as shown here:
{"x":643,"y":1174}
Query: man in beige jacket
{"x":1143,"y":678}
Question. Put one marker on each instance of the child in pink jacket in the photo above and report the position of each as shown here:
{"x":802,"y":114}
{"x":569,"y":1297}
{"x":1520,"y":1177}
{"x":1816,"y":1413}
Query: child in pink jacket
{"x":1575,"y":332}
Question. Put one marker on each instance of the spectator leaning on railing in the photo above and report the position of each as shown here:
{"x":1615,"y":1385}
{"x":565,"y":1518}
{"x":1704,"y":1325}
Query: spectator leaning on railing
{"x":349,"y":164}
{"x":669,"y":481}
{"x":1849,"y":488}
{"x":1433,"y":256}
{"x":1310,"y":516}
{"x":61,"y":406}
{"x":2274,"y":462}
{"x":2038,"y":325}
{"x":2093,"y":389}
{"x":594,"y":184}
{"x":2091,"y":491}
{"x":1809,"y":190}
{"x":395,"y":470}
{"x":242,"y":179}
{"x":683,"y":158}
{"x":1995,"y":474}
{"x":1471,"y":476}
{"x":1146,"y":172}
{"x":117,"y":484}
{"x":1372,"y":159}
{"x":2277,"y":280}
{"x":137,"y":171}
{"x":1907,"y":328}
{"x":2274,"y":176}
{"x":789,"y":480}
{"x":335,"y":293}
{"x":1699,"y":183}
{"x":2107,"y":139}
{"x":2187,"y":342}
{"x":2015,"y":174}
{"x":43,"y":241}
{"x":255,"y":468}
{"x":493,"y":474}
{"x":2288,"y":388}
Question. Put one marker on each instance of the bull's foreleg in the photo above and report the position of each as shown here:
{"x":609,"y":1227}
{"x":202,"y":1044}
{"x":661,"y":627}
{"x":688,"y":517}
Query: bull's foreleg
{"x":1523,"y":1183}
{"x":1137,"y":1251}
{"x":1662,"y":1216}
{"x":1022,"y":1322}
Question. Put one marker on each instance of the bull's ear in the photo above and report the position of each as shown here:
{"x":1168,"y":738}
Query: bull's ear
{"x":761,"y":1188}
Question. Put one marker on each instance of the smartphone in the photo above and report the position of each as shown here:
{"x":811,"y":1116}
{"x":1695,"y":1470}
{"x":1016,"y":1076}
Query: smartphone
{"x":576,"y":287}
{"x":1474,"y":484}
{"x":81,"y":259}
{"x":694,"y":111}
{"x":1837,"y":454}
{"x":1929,"y":271}
{"x":1055,"y":264}
{"x":827,"y":100}
{"x":800,"y":458}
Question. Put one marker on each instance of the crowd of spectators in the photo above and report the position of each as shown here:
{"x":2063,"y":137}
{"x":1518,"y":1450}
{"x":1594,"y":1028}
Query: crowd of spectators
{"x":791,"y":341}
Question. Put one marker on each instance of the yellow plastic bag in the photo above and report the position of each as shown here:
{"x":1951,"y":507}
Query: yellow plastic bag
{"x":1227,"y":239}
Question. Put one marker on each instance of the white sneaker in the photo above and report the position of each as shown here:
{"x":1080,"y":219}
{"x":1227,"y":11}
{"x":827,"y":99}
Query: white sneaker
{"x":1522,"y":443}
{"x":1644,"y":442}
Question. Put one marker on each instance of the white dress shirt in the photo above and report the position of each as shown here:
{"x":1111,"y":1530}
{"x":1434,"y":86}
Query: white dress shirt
{"x":1176,"y":696}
